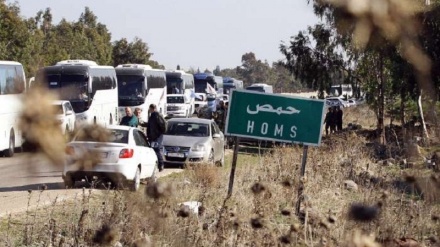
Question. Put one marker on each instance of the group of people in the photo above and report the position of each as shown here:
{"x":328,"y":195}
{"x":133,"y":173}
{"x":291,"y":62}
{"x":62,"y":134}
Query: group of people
{"x":155,"y":126}
{"x":219,"y":115}
{"x":333,"y":120}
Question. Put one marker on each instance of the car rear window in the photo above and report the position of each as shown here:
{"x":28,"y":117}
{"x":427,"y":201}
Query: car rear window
{"x":187,"y":129}
{"x":115,"y":136}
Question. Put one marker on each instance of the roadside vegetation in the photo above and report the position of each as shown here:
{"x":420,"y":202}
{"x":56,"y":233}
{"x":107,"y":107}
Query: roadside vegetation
{"x":352,"y":197}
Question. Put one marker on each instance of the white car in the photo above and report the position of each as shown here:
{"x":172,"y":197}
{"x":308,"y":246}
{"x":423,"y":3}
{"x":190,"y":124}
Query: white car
{"x":193,"y":140}
{"x":336,"y":101}
{"x":65,"y":115}
{"x":200,"y":101}
{"x":126,"y":158}
{"x":351,"y":102}
{"x":178,"y":105}
{"x":223,"y":97}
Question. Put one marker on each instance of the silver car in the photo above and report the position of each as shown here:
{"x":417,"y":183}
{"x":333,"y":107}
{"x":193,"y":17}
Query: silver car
{"x":193,"y":140}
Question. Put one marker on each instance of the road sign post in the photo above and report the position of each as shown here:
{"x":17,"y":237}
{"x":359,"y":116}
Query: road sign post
{"x":274,"y":117}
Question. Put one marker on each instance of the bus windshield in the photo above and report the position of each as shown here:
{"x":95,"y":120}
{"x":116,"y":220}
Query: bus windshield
{"x":174,"y":85}
{"x":258,"y":89}
{"x":131,"y":91}
{"x":200,"y":85}
{"x":72,"y":88}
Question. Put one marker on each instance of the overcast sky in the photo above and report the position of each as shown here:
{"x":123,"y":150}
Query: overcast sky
{"x":193,"y":33}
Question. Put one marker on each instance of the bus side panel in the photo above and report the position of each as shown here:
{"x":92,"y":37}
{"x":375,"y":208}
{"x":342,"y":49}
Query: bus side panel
{"x":104,"y":105}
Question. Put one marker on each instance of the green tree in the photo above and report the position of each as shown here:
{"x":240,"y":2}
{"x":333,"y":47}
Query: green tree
{"x":136,"y":52}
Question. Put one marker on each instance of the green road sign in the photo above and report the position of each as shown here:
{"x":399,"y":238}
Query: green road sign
{"x":275,"y":117}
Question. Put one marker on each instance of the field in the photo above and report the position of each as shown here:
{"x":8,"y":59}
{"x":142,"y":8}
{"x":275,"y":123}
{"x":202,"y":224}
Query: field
{"x":351,"y":197}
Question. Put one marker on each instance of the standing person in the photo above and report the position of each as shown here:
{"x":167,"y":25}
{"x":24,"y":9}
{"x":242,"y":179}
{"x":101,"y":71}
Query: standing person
{"x":129,"y":119}
{"x":219,"y":116}
{"x":137,"y":113}
{"x":329,"y":121}
{"x":175,"y":90}
{"x":156,"y":127}
{"x":338,"y":116}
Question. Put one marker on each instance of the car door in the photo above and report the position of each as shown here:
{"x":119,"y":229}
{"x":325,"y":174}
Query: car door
{"x":140,"y":150}
{"x":218,"y":148}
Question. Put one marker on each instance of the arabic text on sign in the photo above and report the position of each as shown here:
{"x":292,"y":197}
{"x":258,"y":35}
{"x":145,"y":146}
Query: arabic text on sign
{"x":268,"y":108}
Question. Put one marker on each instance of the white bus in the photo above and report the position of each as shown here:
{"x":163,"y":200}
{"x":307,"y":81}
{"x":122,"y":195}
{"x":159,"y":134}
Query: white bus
{"x":140,"y":85}
{"x":231,"y":83}
{"x":12,"y":87}
{"x":342,"y":91}
{"x":260,"y":87}
{"x":180,"y":90}
{"x":90,"y":88}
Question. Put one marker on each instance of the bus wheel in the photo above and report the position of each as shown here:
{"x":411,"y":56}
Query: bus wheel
{"x":10,"y":151}
{"x":111,"y":119}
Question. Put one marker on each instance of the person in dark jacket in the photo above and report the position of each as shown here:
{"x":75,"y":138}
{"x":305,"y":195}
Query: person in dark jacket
{"x":129,"y":119}
{"x":220,"y":115}
{"x":156,"y":127}
{"x":338,"y":117}
{"x":329,"y":121}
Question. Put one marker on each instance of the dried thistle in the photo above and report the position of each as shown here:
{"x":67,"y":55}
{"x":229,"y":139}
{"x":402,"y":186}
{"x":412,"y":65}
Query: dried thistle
{"x":40,"y":126}
{"x":257,"y":188}
{"x":158,"y":190}
{"x":287,"y":183}
{"x":286,"y":239}
{"x":360,"y":212}
{"x":184,"y":211}
{"x":257,"y":223}
{"x":285,"y":212}
{"x":331,"y":219}
{"x":105,"y":235}
{"x":294,"y":227}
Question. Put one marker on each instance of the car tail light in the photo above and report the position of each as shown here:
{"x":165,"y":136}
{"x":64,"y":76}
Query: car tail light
{"x":126,"y":153}
{"x":70,"y":150}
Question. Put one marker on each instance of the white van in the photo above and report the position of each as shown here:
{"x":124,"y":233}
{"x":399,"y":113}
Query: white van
{"x":179,"y":105}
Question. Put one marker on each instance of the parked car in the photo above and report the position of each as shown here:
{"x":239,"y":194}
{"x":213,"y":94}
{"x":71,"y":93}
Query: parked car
{"x":335,"y":101}
{"x":178,"y":105}
{"x":351,"y":102}
{"x":222,"y":97}
{"x":193,"y":140}
{"x":125,"y":159}
{"x":199,"y":101}
{"x":65,"y":116}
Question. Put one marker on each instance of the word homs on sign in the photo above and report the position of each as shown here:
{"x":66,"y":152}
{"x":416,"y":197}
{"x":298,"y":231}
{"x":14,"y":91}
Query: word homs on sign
{"x":269,"y":108}
{"x":275,"y":117}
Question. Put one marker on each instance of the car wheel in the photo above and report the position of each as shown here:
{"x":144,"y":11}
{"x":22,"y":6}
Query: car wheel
{"x":211,"y":160}
{"x":135,"y":184}
{"x":10,"y":151}
{"x":68,"y":182}
{"x":153,"y":178}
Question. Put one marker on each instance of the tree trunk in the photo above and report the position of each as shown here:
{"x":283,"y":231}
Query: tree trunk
{"x":381,"y":103}
{"x":422,"y":119}
{"x":402,"y":111}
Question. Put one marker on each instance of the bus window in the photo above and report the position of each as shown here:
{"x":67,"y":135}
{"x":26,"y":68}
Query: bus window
{"x":131,"y":86}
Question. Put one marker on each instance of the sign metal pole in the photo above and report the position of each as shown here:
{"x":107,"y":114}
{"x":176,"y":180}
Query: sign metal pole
{"x":234,"y":165}
{"x":301,"y":185}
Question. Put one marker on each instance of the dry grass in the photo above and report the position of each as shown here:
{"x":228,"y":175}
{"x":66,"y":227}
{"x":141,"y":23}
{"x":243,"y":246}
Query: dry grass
{"x":386,"y":208}
{"x":388,"y":205}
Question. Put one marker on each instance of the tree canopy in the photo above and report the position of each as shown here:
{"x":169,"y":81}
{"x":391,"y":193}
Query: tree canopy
{"x":38,"y":42}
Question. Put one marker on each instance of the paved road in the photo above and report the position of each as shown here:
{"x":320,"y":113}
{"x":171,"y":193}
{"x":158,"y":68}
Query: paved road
{"x":24,"y":172}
